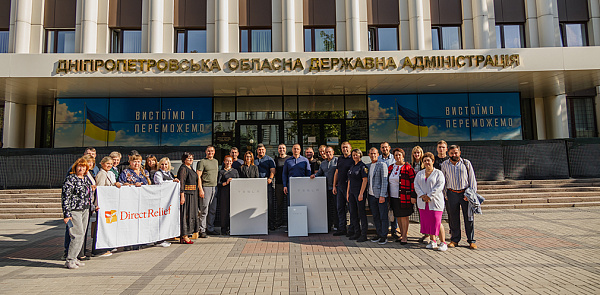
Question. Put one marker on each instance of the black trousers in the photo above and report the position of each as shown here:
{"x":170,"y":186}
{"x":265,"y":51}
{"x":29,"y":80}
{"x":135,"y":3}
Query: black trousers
{"x":332,"y":215}
{"x":358,"y":214}
{"x":456,"y":202}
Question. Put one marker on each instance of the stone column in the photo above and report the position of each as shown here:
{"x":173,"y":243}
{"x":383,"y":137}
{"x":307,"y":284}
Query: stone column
{"x":353,"y":25}
{"x":546,"y":22}
{"x":14,"y":125}
{"x":155,"y":24}
{"x":468,"y":40}
{"x":22,"y":25}
{"x":532,"y":38}
{"x":416,"y":14}
{"x":222,"y":26}
{"x":594,"y":24}
{"x":557,"y":120}
{"x":288,"y":26}
{"x":341,"y":38}
{"x":481,"y":25}
{"x":404,"y":27}
{"x":89,"y":26}
{"x":540,"y":118}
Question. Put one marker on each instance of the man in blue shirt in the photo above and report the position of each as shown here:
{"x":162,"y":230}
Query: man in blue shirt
{"x":296,"y":166}
{"x":266,"y":168}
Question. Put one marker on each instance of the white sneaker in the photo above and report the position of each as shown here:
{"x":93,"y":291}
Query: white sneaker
{"x":443,"y":247}
{"x":431,"y":245}
{"x":78,"y":262}
{"x":105,"y":254}
{"x":71,"y":265}
{"x":164,"y":244}
{"x":114,"y":250}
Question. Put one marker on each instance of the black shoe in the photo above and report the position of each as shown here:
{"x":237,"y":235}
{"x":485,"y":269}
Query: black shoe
{"x":355,"y":237}
{"x":127,"y":248}
{"x":382,"y":241}
{"x":395,"y":236}
{"x":375,"y":239}
{"x":339,"y":233}
{"x":213,"y":232}
{"x":84,"y":258}
{"x":349,"y":234}
{"x":362,"y":239}
{"x":203,"y":235}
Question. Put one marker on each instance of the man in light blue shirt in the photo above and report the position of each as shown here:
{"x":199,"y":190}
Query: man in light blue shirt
{"x":296,"y":166}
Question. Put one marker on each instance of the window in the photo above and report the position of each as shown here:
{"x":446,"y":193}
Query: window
{"x":446,"y":38}
{"x":383,"y":39}
{"x":126,"y":41}
{"x":510,"y":36}
{"x":3,"y":41}
{"x":573,"y":15}
{"x":582,"y":117}
{"x":255,"y":40}
{"x":191,"y":41}
{"x":60,"y":41}
{"x":573,"y":34}
{"x":319,"y":39}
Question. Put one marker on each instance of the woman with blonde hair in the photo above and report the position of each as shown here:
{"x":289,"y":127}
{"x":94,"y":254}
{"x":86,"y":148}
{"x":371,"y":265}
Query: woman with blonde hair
{"x":135,"y":174}
{"x":164,"y":172}
{"x":417,"y":159}
{"x":249,"y":170}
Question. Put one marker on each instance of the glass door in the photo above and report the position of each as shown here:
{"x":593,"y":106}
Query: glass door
{"x":315,"y":134}
{"x":251,"y":134}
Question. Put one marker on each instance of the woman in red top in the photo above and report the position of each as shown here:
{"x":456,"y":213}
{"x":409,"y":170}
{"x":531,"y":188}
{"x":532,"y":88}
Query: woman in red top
{"x":402,"y":192}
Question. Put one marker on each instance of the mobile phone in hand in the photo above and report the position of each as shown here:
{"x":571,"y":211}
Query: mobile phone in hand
{"x":69,"y":224}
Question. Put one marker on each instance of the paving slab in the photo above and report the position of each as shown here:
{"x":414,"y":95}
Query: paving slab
{"x":530,"y":251}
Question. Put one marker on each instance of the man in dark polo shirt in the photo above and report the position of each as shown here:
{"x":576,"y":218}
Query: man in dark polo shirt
{"x":340,"y":186}
{"x":266,"y":168}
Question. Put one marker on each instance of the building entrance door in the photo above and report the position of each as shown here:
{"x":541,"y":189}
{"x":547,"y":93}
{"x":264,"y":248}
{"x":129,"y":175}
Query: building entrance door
{"x":250,"y":134}
{"x":315,"y":133}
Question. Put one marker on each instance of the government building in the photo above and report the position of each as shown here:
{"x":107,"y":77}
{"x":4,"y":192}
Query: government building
{"x":137,"y":73}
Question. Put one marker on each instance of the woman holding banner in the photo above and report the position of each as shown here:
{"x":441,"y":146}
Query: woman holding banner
{"x":223,"y":182}
{"x":188,"y":215}
{"x":105,"y":177}
{"x":76,"y":203}
{"x":135,"y":175}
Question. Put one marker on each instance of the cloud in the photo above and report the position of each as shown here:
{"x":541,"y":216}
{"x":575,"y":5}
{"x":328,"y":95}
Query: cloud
{"x":131,"y":139}
{"x":64,"y":115}
{"x":378,"y":112}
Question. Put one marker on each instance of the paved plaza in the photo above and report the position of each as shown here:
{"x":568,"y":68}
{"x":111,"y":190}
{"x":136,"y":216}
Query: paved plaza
{"x":554,"y":251}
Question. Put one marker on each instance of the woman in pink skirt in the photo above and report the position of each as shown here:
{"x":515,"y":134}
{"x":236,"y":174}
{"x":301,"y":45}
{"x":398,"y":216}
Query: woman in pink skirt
{"x":429,"y":186}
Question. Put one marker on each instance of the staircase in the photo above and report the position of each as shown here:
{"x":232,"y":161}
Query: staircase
{"x":30,"y":203}
{"x":507,"y":194}
{"x":529,"y":194}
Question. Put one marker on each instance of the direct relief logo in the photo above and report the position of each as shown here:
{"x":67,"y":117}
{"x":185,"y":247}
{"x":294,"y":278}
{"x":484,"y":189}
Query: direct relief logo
{"x":111,"y":216}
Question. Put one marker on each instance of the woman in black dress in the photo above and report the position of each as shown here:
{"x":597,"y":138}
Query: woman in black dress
{"x":249,"y":170}
{"x":225,"y":176}
{"x":188,"y":215}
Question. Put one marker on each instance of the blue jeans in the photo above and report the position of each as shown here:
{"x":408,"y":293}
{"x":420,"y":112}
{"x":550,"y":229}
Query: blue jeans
{"x":342,"y":208}
{"x":358,"y":215}
{"x":380,"y":215}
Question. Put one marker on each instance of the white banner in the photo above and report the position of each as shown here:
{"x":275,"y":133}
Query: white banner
{"x":137,"y":215}
{"x":311,"y":193}
{"x":248,"y":206}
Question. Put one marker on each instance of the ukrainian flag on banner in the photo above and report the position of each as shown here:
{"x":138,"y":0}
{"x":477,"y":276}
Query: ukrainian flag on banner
{"x":98,"y":127}
{"x":410,"y":123}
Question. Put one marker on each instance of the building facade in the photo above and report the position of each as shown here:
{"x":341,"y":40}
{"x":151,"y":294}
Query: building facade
{"x":240,"y":72}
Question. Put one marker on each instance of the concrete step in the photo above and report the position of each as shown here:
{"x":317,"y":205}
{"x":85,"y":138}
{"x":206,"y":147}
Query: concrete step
{"x":21,"y":196}
{"x":533,"y":186}
{"x":528,"y":195}
{"x":542,"y":200}
{"x":30,"y":215}
{"x":539,"y":205}
{"x":484,"y":192}
{"x":30,"y":205}
{"x":31,"y":200}
{"x":31,"y":191}
{"x":591,"y":181}
{"x":30,"y":210}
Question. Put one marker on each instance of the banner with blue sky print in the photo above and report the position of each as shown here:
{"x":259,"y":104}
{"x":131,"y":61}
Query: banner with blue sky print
{"x":133,"y":122}
{"x":452,"y":117}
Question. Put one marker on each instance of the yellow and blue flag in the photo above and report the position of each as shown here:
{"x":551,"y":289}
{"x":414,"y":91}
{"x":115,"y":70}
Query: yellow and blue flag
{"x":98,"y":127}
{"x":410,"y":123}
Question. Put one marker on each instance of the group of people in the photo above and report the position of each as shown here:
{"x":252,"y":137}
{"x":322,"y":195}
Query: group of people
{"x":80,"y":202}
{"x":388,"y":182}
